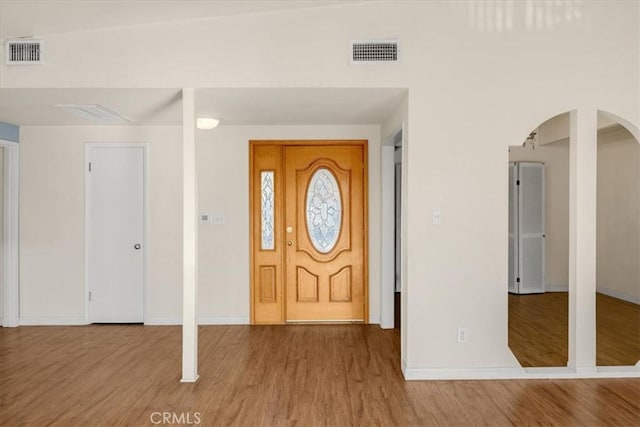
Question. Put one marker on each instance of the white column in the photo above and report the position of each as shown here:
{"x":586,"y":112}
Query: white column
{"x":189,"y":241}
{"x":9,"y":263}
{"x":582,"y":236}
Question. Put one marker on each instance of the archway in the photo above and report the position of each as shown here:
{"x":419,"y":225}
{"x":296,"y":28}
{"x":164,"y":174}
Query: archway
{"x":539,"y":245}
{"x":617,"y":243}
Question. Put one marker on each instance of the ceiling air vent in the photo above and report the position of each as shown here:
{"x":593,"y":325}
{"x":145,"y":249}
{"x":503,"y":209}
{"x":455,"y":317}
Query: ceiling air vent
{"x":21,"y":51}
{"x":369,"y":51}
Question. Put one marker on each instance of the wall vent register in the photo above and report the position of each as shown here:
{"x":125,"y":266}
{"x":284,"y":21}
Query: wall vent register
{"x":369,"y":51}
{"x":23,"y":52}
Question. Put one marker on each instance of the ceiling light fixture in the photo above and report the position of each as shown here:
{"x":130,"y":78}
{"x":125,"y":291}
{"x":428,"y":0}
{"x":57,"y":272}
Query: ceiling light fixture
{"x":94,"y":112}
{"x":207,"y":123}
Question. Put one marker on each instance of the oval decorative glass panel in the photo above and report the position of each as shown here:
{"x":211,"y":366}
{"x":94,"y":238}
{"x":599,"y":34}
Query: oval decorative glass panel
{"x":324,"y":210}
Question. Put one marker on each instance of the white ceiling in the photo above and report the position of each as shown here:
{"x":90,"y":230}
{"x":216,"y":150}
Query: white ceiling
{"x":291,"y":106}
{"x":24,"y":18}
{"x":256,"y":106}
{"x":297,"y":106}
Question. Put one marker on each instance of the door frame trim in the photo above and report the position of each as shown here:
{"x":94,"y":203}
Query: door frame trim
{"x":87,"y":217}
{"x":11,"y":235}
{"x":309,"y":142}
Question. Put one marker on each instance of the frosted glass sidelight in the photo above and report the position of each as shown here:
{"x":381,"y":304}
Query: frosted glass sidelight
{"x":324,"y":210}
{"x":266,"y":178}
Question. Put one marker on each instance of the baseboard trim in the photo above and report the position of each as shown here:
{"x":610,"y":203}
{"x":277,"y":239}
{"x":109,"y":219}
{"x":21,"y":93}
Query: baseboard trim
{"x":190,"y":380}
{"x":166,"y":321}
{"x":557,"y":288}
{"x":413,"y":374}
{"x":52,"y":321}
{"x":223,"y":321}
{"x":462,"y":373}
{"x":619,"y":295}
{"x":163,"y":321}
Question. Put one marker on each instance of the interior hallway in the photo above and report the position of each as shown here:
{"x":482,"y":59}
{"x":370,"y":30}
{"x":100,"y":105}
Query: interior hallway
{"x":305,"y":375}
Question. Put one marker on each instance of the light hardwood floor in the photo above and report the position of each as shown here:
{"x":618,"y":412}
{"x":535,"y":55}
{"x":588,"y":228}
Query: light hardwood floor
{"x":303,"y":375}
{"x":538,"y":330}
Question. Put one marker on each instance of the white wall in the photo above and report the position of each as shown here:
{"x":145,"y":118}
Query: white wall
{"x":618,"y":216}
{"x":52,"y":218}
{"x":555,"y":156}
{"x":476,"y":85}
{"x":394,"y":122}
{"x":223,"y":187}
{"x":52,"y":174}
{"x":1,"y":233}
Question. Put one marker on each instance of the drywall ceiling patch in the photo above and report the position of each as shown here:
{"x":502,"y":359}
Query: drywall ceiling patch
{"x":374,"y":51}
{"x":23,"y":52}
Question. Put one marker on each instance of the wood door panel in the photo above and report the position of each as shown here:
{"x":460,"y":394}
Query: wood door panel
{"x":306,"y":285}
{"x":298,"y":276}
{"x":267,"y":301}
{"x":340,"y":271}
{"x":340,"y":285}
{"x":268,"y":291}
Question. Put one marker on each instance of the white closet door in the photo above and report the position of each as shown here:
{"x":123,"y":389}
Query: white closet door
{"x":531,"y":228}
{"x":513,"y":230}
{"x":115,"y":234}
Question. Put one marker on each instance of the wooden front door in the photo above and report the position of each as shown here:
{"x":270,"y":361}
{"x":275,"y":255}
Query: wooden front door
{"x":309,"y":231}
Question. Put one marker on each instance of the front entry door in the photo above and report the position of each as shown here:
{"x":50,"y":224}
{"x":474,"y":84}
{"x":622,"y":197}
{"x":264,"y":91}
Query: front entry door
{"x":314,"y":269}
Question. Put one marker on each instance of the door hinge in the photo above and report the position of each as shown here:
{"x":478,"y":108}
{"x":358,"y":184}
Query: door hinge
{"x":89,"y":295}
{"x":518,"y":280}
{"x":518,"y":182}
{"x":89,"y":166}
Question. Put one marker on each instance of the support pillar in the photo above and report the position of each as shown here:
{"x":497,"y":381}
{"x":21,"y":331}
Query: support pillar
{"x":189,"y":241}
{"x":582,"y":240}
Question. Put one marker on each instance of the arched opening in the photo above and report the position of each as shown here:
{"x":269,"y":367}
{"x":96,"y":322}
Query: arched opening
{"x":617,"y":243}
{"x":539,"y":245}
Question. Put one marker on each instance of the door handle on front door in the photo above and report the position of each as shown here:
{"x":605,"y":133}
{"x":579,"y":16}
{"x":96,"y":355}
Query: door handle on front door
{"x":137,"y":246}
{"x":289,"y":242}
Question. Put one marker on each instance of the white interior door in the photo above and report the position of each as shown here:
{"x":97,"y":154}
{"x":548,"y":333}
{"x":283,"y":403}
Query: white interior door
{"x":115,"y":227}
{"x":531,"y":213}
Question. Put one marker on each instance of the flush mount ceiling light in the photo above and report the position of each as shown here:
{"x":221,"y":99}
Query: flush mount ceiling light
{"x":94,"y":112}
{"x":206,"y":123}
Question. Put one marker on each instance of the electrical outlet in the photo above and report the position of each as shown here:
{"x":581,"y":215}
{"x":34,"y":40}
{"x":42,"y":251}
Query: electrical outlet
{"x":463,"y":335}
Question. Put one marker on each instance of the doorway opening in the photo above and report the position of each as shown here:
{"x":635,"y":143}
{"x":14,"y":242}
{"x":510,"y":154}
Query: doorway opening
{"x":397,"y":230}
{"x":538,"y":282}
{"x":309,"y":241}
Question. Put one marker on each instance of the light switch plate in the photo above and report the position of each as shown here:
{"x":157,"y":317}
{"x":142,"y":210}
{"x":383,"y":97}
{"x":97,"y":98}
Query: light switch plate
{"x":437,"y":217}
{"x":218,"y":218}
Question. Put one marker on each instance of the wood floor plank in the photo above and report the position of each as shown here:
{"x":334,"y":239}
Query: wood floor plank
{"x":294,"y":375}
{"x":538,"y":330}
